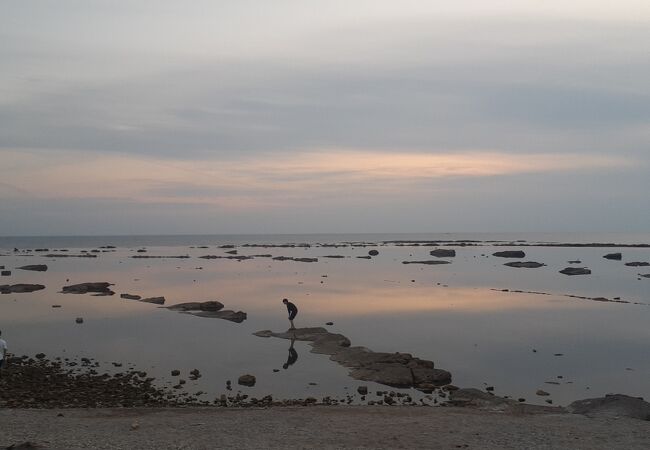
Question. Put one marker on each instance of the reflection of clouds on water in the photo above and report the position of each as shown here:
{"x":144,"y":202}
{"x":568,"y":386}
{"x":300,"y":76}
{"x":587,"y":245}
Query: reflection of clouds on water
{"x":479,"y":334}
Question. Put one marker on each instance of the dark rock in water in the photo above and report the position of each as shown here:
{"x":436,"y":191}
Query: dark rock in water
{"x":575,"y":271}
{"x":154,"y":300}
{"x":329,"y":323}
{"x":525,"y":265}
{"x":79,"y":320}
{"x":614,"y":256}
{"x":20,"y":288}
{"x":211,"y":305}
{"x":637,"y":264}
{"x":542,"y":393}
{"x":373,"y":252}
{"x":363,"y":390}
{"x":176,"y":372}
{"x":247,"y":380}
{"x":5,"y":273}
{"x":644,"y":275}
{"x":334,"y":256}
{"x":35,"y":267}
{"x":616,"y":405}
{"x":510,"y":254}
{"x":576,"y":261}
{"x":130,"y":297}
{"x":429,"y":263}
{"x":364,"y":257}
{"x":227,"y":246}
{"x":232,"y":252}
{"x":443,"y":253}
{"x":84,"y":288}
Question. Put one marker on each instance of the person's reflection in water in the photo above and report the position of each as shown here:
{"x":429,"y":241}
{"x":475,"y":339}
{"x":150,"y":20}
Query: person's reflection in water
{"x":293,"y":356}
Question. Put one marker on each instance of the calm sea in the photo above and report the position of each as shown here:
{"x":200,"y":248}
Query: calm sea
{"x":458,"y":315}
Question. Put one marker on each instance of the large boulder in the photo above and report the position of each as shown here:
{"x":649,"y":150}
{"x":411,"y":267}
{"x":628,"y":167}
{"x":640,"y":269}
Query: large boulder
{"x":616,"y":405}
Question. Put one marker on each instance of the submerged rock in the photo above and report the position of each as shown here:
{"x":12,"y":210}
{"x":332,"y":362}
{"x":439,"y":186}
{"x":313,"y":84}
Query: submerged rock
{"x":443,"y":253}
{"x":616,"y":405}
{"x":84,"y":288}
{"x":35,"y":267}
{"x":526,"y":264}
{"x":637,"y":264}
{"x":510,"y":254}
{"x":575,"y":271}
{"x":20,"y":288}
{"x":226,"y":314}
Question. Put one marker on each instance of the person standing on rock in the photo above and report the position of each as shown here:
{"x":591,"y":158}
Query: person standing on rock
{"x":293,"y":311}
{"x":3,"y":352}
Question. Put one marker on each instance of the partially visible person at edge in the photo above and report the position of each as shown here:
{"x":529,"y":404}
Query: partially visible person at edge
{"x":3,"y":352}
{"x":293,"y":311}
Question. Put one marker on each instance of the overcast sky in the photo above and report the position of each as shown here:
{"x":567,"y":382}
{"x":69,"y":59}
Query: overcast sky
{"x":147,"y":117}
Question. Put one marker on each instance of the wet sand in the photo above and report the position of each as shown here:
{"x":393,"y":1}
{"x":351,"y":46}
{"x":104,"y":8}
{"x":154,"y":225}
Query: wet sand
{"x":316,"y":427}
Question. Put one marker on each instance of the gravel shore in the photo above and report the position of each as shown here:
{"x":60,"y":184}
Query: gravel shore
{"x":315,"y":427}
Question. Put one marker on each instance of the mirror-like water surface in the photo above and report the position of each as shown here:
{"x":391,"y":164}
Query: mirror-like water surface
{"x":457,"y":315}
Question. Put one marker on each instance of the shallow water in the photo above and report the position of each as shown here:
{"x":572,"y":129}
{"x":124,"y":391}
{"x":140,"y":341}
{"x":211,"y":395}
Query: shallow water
{"x":456,"y":315}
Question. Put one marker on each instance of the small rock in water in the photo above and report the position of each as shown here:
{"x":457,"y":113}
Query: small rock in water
{"x":329,"y":323}
{"x":542,"y":393}
{"x":5,"y":273}
{"x":247,"y":380}
{"x":176,"y":372}
{"x":575,"y":271}
{"x":363,"y":390}
{"x":79,"y":320}
{"x":373,"y":252}
{"x":614,"y":256}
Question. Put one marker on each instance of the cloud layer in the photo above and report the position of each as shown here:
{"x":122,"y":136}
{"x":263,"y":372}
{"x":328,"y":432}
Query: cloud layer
{"x":240,"y":113}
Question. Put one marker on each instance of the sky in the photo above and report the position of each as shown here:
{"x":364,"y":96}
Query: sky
{"x":303,"y":116}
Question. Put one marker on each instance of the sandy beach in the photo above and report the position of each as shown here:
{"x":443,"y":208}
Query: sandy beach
{"x":316,"y":427}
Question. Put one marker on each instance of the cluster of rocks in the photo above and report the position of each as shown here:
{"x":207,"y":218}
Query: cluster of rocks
{"x":391,"y":369}
{"x":40,"y":383}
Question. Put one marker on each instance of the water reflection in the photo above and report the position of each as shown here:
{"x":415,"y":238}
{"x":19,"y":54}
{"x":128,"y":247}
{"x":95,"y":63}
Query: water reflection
{"x":293,"y":356}
{"x":448,"y":314}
